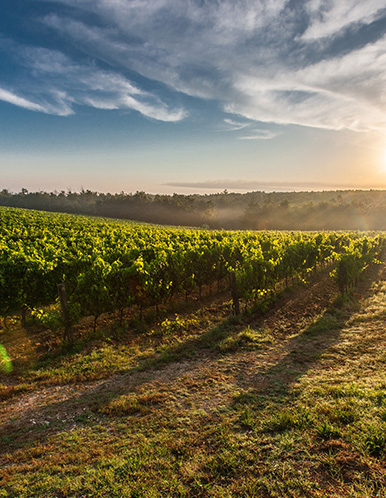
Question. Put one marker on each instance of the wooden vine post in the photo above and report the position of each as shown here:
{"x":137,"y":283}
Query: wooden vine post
{"x":235,"y":297}
{"x":65,"y":312}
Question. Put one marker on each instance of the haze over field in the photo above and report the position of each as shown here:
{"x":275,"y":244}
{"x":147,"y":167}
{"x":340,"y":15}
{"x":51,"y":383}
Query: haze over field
{"x":194,"y":96}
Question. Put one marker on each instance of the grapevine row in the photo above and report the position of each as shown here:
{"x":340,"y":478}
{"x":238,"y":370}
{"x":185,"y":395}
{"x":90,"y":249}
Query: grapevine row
{"x":109,"y":265}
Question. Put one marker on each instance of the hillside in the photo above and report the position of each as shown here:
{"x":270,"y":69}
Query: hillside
{"x":291,"y":402}
{"x":327,"y":210}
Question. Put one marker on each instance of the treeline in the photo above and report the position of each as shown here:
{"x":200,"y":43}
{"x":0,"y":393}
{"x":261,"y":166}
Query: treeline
{"x":161,"y":209}
{"x":330,"y":210}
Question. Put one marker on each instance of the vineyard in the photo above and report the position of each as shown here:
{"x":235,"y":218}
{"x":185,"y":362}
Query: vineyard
{"x":167,"y":393}
{"x":109,"y":266}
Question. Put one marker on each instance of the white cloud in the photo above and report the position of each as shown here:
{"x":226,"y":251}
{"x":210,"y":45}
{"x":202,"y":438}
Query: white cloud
{"x":57,"y":83}
{"x":257,"y":134}
{"x":14,"y":99}
{"x":264,"y":60}
{"x":329,"y":18}
{"x":232,"y":125}
{"x":342,"y":92}
{"x":194,"y":48}
{"x":159,"y":112}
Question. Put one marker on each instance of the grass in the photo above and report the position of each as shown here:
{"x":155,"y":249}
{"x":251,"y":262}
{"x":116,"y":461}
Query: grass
{"x":247,"y":339}
{"x":203,"y":405}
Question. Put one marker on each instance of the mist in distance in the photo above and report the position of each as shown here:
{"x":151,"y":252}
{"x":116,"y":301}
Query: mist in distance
{"x":323,"y":210}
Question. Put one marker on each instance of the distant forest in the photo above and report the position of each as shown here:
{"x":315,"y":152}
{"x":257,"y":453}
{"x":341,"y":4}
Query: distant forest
{"x":328,"y":210}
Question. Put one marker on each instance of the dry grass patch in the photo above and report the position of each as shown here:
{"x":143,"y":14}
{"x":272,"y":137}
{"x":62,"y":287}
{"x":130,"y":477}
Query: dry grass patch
{"x":136,"y":403}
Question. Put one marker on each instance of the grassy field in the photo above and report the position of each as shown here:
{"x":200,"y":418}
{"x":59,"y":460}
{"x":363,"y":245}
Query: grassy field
{"x":291,"y":402}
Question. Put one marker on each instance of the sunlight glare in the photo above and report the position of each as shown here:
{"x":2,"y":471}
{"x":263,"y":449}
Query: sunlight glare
{"x":383,"y":161}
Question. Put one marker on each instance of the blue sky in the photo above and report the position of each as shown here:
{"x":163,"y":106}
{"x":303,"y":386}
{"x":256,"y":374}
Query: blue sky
{"x":192,"y":95}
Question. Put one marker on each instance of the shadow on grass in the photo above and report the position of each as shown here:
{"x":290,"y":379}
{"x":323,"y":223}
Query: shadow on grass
{"x":297,"y":356}
{"x":302,"y":352}
{"x":39,"y":424}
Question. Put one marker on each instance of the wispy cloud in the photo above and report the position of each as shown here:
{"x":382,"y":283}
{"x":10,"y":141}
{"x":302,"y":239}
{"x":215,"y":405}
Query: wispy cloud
{"x":57,"y":83}
{"x":331,"y":18}
{"x":274,"y":61}
{"x":250,"y":132}
{"x":342,"y":92}
{"x":12,"y":98}
{"x":257,"y":134}
{"x":232,"y":125}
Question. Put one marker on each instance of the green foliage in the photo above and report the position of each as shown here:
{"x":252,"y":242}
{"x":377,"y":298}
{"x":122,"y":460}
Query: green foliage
{"x":108,"y":266}
{"x":375,"y":440}
{"x":50,"y":318}
{"x":289,"y":418}
{"x":175,"y":326}
{"x":92,"y":292}
{"x":282,"y":421}
{"x":326,"y":431}
{"x":356,"y":257}
{"x":5,"y":362}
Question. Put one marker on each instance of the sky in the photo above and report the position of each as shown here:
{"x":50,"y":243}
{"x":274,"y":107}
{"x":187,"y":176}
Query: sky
{"x":192,"y":95}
